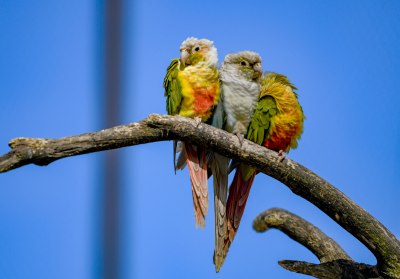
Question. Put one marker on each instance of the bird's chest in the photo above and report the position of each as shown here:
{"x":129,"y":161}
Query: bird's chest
{"x":200,"y":91}
{"x":239,"y":105}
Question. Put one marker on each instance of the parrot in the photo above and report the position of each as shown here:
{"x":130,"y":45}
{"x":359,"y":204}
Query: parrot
{"x":192,"y":89}
{"x":277,"y":124}
{"x":240,"y":75}
{"x":218,"y":165}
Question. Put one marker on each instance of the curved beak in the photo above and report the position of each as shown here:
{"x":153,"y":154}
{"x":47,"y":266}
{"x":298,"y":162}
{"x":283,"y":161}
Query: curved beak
{"x":184,"y":57}
{"x":257,"y":70}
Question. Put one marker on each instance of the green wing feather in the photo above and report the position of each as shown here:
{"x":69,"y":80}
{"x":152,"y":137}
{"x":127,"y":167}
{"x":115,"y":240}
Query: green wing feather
{"x":261,"y":121}
{"x":173,"y":94}
{"x":172,"y":87}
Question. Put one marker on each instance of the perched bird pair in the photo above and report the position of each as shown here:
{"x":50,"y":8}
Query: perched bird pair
{"x":240,"y":99}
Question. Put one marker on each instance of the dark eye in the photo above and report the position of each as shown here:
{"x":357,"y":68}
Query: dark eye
{"x":197,"y":48}
{"x":243,"y":63}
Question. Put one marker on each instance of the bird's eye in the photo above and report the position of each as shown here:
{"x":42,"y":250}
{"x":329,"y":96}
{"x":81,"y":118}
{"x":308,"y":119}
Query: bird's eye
{"x":196,"y":48}
{"x":243,"y":63}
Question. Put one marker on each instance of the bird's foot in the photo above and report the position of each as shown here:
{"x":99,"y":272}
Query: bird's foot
{"x":282,"y":155}
{"x":198,"y":121}
{"x":240,"y":138}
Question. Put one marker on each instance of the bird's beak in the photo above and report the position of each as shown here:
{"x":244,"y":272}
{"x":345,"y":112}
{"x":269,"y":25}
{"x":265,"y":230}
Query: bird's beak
{"x":257,"y":70}
{"x":184,"y":57}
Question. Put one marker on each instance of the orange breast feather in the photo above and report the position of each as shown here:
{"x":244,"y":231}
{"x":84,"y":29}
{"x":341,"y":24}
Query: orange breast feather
{"x":200,"y":91}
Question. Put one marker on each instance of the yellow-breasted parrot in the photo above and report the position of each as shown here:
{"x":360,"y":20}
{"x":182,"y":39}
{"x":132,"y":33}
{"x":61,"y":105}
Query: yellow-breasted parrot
{"x":240,"y":75}
{"x":277,"y":123}
{"x":192,"y":89}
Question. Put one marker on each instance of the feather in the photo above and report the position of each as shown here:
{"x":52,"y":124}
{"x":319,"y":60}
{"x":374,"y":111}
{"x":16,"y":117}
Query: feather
{"x":197,"y":165}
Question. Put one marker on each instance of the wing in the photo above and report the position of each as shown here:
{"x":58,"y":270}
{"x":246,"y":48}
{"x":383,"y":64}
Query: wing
{"x":261,"y":122}
{"x":277,"y":96}
{"x":172,"y":87}
{"x":173,"y":93}
{"x":219,"y":118}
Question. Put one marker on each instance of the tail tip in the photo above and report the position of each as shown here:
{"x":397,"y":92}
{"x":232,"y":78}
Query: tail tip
{"x":218,"y":261}
{"x":200,"y":224}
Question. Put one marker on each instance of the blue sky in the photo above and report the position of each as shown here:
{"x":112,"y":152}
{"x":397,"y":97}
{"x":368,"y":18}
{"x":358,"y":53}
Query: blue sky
{"x":343,"y":57}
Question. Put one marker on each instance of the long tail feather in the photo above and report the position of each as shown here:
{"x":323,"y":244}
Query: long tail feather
{"x":219,"y":169}
{"x":197,"y":165}
{"x":180,"y":163}
{"x":238,"y":194}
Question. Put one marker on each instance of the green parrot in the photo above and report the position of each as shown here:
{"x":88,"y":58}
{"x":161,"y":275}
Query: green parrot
{"x":277,"y":124}
{"x":192,"y":89}
{"x":240,"y":87}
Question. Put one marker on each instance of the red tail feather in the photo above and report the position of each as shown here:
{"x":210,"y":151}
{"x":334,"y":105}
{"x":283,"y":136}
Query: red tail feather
{"x":197,"y":164}
{"x":238,"y":194}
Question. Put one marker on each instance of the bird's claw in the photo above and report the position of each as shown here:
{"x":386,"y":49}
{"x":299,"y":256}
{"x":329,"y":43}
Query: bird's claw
{"x":240,"y":138}
{"x":281,"y":155}
{"x":198,"y":121}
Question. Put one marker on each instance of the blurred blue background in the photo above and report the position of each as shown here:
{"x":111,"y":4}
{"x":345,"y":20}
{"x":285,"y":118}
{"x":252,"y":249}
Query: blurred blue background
{"x":343,"y":56}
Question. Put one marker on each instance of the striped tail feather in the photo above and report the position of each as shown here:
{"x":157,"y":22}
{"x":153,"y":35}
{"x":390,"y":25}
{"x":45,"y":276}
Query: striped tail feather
{"x":219,"y":169}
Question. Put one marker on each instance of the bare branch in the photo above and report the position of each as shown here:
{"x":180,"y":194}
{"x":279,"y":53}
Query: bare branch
{"x":45,"y":151}
{"x":333,"y":270}
{"x":299,"y":179}
{"x":324,"y":247}
{"x":335,"y":263}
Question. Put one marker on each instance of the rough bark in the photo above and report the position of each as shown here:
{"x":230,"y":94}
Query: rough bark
{"x":336,"y":269}
{"x":299,"y":179}
{"x":334,"y":261}
{"x":322,"y":246}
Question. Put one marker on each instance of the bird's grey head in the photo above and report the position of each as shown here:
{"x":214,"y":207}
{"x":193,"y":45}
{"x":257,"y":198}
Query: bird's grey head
{"x":246,"y":64}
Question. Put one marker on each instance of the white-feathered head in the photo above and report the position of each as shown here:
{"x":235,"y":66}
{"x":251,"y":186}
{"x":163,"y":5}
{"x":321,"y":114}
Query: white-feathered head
{"x":195,"y":50}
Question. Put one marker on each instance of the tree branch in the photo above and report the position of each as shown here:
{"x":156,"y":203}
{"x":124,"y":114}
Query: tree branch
{"x":335,"y":263}
{"x":332,"y":270}
{"x":322,"y":246}
{"x":45,"y":151}
{"x":299,"y":179}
